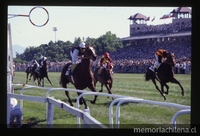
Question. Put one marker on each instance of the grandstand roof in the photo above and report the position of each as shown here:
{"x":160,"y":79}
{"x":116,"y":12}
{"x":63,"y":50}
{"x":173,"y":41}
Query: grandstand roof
{"x":138,"y":16}
{"x":181,"y":10}
{"x":155,"y":36}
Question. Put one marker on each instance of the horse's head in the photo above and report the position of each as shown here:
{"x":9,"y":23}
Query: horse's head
{"x":90,"y":52}
{"x":44,"y":62}
{"x":171,"y":59}
{"x":109,"y":67}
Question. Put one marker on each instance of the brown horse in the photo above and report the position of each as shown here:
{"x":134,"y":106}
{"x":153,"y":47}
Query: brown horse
{"x":82,"y":76}
{"x":106,"y":77}
{"x":164,"y":75}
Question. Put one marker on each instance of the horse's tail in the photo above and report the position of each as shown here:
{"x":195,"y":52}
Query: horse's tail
{"x":62,"y":76}
{"x":147,"y":75}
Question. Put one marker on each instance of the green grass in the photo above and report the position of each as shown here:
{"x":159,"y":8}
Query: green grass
{"x":132,"y":85}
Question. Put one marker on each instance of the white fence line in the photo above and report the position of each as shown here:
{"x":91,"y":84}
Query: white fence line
{"x":51,"y":102}
{"x":120,"y":99}
{"x":111,"y":110}
{"x":101,"y":94}
{"x":149,"y":102}
{"x":181,"y":112}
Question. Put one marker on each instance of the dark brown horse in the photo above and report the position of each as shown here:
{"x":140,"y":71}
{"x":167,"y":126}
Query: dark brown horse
{"x":164,"y":75}
{"x":105,"y":78}
{"x":82,"y":76}
{"x":42,"y":74}
{"x":30,"y":71}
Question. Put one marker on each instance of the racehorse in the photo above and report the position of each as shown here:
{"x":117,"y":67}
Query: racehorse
{"x":82,"y":76}
{"x":106,"y":77}
{"x":30,"y":70}
{"x":42,"y":74}
{"x":164,"y":75}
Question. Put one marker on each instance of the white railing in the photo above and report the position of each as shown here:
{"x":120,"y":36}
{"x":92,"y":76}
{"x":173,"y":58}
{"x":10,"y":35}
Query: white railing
{"x":50,"y":102}
{"x":88,"y":121}
{"x":174,"y":105}
{"x":101,"y":94}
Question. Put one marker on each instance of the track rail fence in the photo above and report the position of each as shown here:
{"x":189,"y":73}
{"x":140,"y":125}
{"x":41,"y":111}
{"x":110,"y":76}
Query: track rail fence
{"x":87,"y":120}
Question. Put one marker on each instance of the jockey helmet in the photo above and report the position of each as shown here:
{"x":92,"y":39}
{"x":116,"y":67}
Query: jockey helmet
{"x":82,"y":45}
{"x":44,"y":58}
{"x":106,"y":54}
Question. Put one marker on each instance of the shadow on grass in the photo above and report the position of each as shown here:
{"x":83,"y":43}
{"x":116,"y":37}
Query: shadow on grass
{"x":107,"y":104}
{"x":33,"y":123}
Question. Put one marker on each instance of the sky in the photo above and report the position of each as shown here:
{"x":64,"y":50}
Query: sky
{"x":75,"y":21}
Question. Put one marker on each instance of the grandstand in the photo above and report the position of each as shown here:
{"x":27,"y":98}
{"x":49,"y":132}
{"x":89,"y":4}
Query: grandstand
{"x":145,"y":39}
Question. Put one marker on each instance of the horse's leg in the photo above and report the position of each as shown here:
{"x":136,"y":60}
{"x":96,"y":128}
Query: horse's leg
{"x":27,"y":77}
{"x":154,"y":82}
{"x":93,"y":89}
{"x":34,"y":79}
{"x":64,"y":85}
{"x":101,"y":88}
{"x":177,"y":82}
{"x":49,"y":80}
{"x":109,"y":90}
{"x":30,"y":76}
{"x":69,"y":99}
{"x":167,"y":87}
{"x":42,"y":82}
{"x":39,"y":81}
{"x":82,"y":100}
{"x":110,"y":86}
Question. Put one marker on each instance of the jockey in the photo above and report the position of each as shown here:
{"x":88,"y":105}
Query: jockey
{"x":159,"y":55}
{"x":76,"y":53}
{"x":39,"y":64}
{"x":40,"y":60}
{"x":104,"y":60}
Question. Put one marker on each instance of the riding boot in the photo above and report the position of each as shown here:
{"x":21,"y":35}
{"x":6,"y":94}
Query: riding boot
{"x":68,"y":70}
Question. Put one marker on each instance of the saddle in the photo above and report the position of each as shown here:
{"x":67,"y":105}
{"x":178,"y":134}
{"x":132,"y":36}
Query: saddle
{"x":100,"y":71}
{"x":71,"y":69}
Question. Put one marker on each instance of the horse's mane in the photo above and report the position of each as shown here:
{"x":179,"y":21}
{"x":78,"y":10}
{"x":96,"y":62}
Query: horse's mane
{"x":170,"y":58}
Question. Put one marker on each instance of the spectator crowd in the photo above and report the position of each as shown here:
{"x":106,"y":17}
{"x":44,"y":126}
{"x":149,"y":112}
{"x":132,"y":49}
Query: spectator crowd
{"x":161,"y":29}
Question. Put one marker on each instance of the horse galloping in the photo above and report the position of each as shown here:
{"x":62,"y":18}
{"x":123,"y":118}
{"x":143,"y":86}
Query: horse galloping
{"x":82,"y":76}
{"x":42,"y":74}
{"x":164,"y":75}
{"x":106,"y":77}
{"x":30,"y":70}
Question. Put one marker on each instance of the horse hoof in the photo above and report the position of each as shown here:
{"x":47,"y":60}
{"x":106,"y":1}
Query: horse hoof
{"x":92,"y":102}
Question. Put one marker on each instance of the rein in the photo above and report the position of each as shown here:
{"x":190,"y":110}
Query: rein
{"x":86,"y":57}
